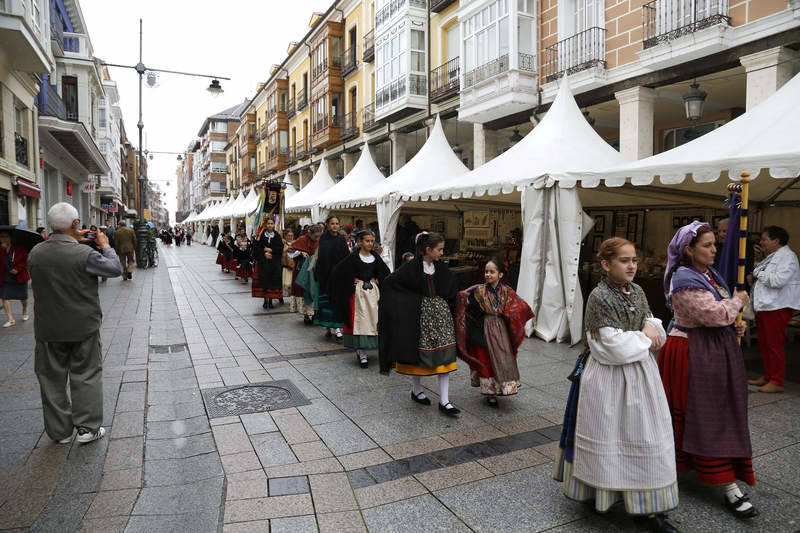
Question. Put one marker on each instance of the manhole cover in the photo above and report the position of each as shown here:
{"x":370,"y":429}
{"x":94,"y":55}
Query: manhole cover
{"x":252,"y":398}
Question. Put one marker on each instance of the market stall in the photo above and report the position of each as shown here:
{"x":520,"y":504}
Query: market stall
{"x":307,"y":199}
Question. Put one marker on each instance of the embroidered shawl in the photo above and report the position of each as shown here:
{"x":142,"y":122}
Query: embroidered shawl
{"x":606,"y":307}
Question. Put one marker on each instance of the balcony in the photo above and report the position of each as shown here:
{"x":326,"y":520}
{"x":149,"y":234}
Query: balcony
{"x":349,"y":61}
{"x":76,"y":44}
{"x":326,"y":131}
{"x":262,"y":170}
{"x":262,"y":134}
{"x":300,"y":151}
{"x":496,"y":89}
{"x":22,"y":35}
{"x":583,"y":51}
{"x":21,"y":149}
{"x":56,"y":33}
{"x":290,"y":111}
{"x":368,"y":120}
{"x":666,"y":20}
{"x":437,"y":6}
{"x":369,"y":47}
{"x":276,"y":160}
{"x":349,"y":126}
{"x":394,"y":7}
{"x":50,"y":103}
{"x":445,"y":80}
{"x":486,"y":71}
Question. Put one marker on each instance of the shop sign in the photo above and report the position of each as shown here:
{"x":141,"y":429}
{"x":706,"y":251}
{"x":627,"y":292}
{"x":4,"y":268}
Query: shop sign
{"x":86,"y":187}
{"x":113,"y":208}
{"x":69,"y":188}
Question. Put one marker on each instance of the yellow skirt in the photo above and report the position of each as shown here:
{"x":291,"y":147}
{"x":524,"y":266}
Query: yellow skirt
{"x":414,"y":370}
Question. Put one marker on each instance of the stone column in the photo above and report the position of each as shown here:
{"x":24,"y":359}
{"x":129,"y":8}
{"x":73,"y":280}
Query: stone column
{"x":484,"y":144}
{"x":399,"y":145}
{"x":332,"y":166}
{"x":304,"y":176}
{"x":767,"y":71}
{"x":636,"y":122}
{"x":349,"y":159}
{"x":294,"y":177}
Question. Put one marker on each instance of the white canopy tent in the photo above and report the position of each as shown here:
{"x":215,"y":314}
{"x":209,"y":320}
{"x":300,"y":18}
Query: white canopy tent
{"x":289,"y":190}
{"x":308,"y":197}
{"x":249,"y":205}
{"x":764,"y":142}
{"x":363,"y":177}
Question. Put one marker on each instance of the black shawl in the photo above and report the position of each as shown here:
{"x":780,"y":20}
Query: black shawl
{"x":269,"y":271}
{"x":399,"y":310}
{"x":331,"y":250}
{"x":225,"y":246}
{"x":342,"y":281}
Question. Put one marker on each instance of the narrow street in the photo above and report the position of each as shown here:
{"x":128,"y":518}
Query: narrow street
{"x":346,"y":449}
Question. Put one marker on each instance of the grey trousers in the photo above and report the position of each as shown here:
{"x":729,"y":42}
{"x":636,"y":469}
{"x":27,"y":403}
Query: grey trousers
{"x":82,"y":364}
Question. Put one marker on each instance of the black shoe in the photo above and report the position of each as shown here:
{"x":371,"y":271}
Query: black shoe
{"x":269,"y":304}
{"x":492,"y":401}
{"x":423,"y":401}
{"x":280,"y":301}
{"x":265,"y":305}
{"x":130,"y":275}
{"x":656,"y":524}
{"x":328,"y":333}
{"x":362,"y":361}
{"x":449,"y":409}
{"x":307,"y":320}
{"x":752,"y":512}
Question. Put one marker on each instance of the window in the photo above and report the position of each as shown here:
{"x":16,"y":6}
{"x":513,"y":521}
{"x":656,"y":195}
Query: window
{"x":678,"y":136}
{"x":486,"y":35}
{"x":19,"y":121}
{"x":283,"y":139}
{"x":36,"y":13}
{"x":252,"y":163}
{"x":218,"y":146}
{"x":453,"y":41}
{"x":102,"y":118}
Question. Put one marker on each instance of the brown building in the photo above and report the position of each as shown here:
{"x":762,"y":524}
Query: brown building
{"x":215,"y":134}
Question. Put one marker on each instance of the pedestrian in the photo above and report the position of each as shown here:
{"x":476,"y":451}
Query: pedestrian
{"x":125,"y":244}
{"x":268,"y":276}
{"x":67,"y":320}
{"x":287,"y":263}
{"x":332,"y":249}
{"x":349,"y":236}
{"x":702,"y":369}
{"x":616,"y":443}
{"x":225,"y":249}
{"x":189,"y":234}
{"x":490,"y":327}
{"x":355,"y":291}
{"x":41,"y":230}
{"x":416,"y":334}
{"x":244,"y":258}
{"x":302,"y":298}
{"x":13,"y":277}
{"x":776,"y":293}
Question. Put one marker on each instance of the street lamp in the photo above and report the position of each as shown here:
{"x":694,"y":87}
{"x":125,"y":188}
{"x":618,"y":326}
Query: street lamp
{"x":214,"y":88}
{"x":693,"y":102}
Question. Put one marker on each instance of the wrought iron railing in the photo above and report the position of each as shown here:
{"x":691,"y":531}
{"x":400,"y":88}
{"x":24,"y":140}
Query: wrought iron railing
{"x":582,"y":51}
{"x":290,"y":112}
{"x":262,"y":169}
{"x":665,"y":20}
{"x":418,"y":84}
{"x":349,"y":61}
{"x":302,"y":101}
{"x":21,"y":149}
{"x":368,"y":121}
{"x":349,"y":125}
{"x":437,"y":6}
{"x":369,"y":46}
{"x":262,"y":134}
{"x":486,"y":71}
{"x":445,"y":79}
{"x":300,"y":151}
{"x":527,"y":62}
{"x":390,"y":93}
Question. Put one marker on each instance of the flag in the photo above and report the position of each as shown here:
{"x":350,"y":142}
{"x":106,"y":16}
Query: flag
{"x":729,"y":255}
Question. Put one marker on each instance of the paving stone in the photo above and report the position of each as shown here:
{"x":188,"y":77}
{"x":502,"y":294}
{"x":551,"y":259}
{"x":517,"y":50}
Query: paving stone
{"x":401,"y":450}
{"x":255,"y":423}
{"x":124,"y":454}
{"x":268,"y":508}
{"x":363,"y":459}
{"x":360,"y":478}
{"x":452,"y":475}
{"x":112,"y":503}
{"x":244,"y":490}
{"x":349,"y":521}
{"x":256,"y":526}
{"x":175,"y":411}
{"x":173,"y":397}
{"x":130,"y":424}
{"x":332,"y":493}
{"x":133,"y":386}
{"x":62,"y":513}
{"x":130,"y":401}
{"x":549,"y":450}
{"x":295,"y":429}
{"x":184,"y":470}
{"x":121,"y":479}
{"x":114,"y":524}
{"x":231,"y":438}
{"x":552,"y":432}
{"x":320,"y":466}
{"x":21,"y":510}
{"x":391,"y":491}
{"x":180,"y":499}
{"x":321,"y":411}
{"x":402,"y":468}
{"x":199,"y":521}
{"x":310,"y":451}
{"x":295,"y":524}
{"x":177,"y":428}
{"x":521,"y":425}
{"x":180,"y":447}
{"x":516,"y":460}
{"x":344,"y":437}
{"x":245,"y":476}
{"x":240,"y":462}
{"x":134,"y":375}
{"x":221,"y":421}
{"x":272,"y":449}
{"x":284,"y":486}
{"x":423,"y":513}
{"x":468,"y":436}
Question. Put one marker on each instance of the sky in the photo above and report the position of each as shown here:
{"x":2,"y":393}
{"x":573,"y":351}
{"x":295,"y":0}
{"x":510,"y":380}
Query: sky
{"x":238,"y":39}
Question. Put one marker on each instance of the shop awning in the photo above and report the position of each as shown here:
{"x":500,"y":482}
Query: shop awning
{"x":28,"y":188}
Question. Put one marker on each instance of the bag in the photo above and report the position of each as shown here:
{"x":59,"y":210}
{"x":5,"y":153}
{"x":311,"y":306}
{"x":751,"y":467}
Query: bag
{"x":748,"y":313}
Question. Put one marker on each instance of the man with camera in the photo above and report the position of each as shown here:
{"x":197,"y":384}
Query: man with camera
{"x":66,"y":320}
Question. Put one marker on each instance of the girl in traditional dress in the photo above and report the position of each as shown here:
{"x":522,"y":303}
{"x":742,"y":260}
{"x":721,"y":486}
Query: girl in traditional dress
{"x":416,"y":334}
{"x":356,"y":292}
{"x":244,"y":258}
{"x":702,"y":369}
{"x":332,"y":249}
{"x":267,"y":278}
{"x":490,"y":326}
{"x":302,"y":302}
{"x":287,"y":262}
{"x":225,"y":249}
{"x":616,"y":443}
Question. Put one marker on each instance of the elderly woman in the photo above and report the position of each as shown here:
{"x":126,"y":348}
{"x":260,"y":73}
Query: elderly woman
{"x":702,"y":369}
{"x":776,"y":293}
{"x":13,"y":276}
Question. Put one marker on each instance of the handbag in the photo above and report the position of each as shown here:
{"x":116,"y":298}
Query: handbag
{"x":748,"y":313}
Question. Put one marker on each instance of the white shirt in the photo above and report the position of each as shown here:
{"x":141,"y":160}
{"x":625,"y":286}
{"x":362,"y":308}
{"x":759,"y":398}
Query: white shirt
{"x":428,"y":268}
{"x":777,"y":281}
{"x":368,"y":259}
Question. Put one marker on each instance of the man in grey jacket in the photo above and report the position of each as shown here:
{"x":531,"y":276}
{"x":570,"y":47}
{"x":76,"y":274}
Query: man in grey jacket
{"x":67,"y":320}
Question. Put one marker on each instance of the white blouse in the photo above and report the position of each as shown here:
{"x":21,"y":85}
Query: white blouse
{"x":428,"y":268}
{"x":368,"y":259}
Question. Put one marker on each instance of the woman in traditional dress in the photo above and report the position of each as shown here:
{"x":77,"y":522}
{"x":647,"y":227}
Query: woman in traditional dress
{"x":616,"y":443}
{"x":225,"y":249}
{"x":332,"y":249}
{"x":302,"y":302}
{"x":702,"y":369}
{"x":490,"y":327}
{"x":355,"y":290}
{"x":416,"y":334}
{"x":267,"y":278}
{"x":287,"y":262}
{"x":244,"y":258}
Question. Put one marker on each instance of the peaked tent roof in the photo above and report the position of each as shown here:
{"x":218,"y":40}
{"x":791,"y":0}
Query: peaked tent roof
{"x":562,"y":141}
{"x":250,"y":202}
{"x":289,"y":191}
{"x":236,"y":208}
{"x":763,"y":138}
{"x":434,"y":162}
{"x":309,"y":195}
{"x":204,"y":213}
{"x":363,"y":177}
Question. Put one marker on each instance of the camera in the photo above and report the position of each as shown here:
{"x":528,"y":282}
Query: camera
{"x":90,"y":234}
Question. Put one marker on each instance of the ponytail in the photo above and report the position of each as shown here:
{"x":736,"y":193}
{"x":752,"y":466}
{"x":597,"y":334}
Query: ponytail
{"x":427,"y":240}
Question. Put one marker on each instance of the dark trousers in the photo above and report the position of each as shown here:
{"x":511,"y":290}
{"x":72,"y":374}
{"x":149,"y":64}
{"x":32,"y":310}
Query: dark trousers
{"x":79,"y":363}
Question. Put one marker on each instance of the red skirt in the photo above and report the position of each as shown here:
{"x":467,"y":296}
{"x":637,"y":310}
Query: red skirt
{"x":230,"y":264}
{"x":244,"y":270}
{"x":257,"y":291}
{"x":673,"y":365}
{"x":221,"y":259}
{"x":481,"y":353}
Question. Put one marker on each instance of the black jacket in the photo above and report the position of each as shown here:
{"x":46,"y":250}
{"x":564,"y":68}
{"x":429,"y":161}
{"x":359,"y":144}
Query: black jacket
{"x":331,"y":251}
{"x":269,"y":271}
{"x":342,"y":281}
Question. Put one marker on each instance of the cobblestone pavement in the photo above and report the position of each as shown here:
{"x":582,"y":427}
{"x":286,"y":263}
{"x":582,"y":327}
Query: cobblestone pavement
{"x":353,"y":453}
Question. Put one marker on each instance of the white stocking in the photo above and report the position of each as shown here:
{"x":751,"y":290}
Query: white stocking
{"x":732,"y":492}
{"x":444,"y":389}
{"x":416,"y":386}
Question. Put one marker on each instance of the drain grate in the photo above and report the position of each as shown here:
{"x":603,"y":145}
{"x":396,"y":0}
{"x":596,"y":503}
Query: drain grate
{"x":252,"y":398}
{"x":168,"y":348}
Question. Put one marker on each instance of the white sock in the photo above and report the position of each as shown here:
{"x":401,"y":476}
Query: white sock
{"x":337,"y":331}
{"x":416,"y":387}
{"x":732,"y":492}
{"x":444,"y":389}
{"x":361,"y":355}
